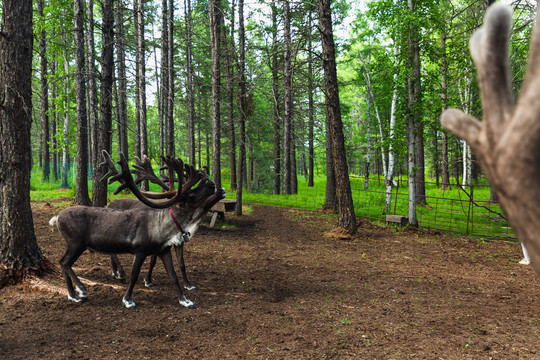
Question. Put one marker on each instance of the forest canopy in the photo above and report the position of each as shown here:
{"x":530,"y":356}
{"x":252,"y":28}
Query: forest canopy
{"x":400,"y":63}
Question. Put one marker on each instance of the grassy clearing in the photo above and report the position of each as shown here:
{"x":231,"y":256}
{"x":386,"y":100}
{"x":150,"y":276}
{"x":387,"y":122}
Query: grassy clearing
{"x":449,"y":211}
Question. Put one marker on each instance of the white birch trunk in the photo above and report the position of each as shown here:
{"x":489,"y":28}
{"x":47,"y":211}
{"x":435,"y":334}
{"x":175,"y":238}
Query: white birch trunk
{"x":390,"y":175}
{"x":65,"y":164}
{"x":379,"y":121}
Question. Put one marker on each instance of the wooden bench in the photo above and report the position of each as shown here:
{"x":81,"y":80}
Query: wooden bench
{"x":219,"y":209}
{"x":401,"y":220}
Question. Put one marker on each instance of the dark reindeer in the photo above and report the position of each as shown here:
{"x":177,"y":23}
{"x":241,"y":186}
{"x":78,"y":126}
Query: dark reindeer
{"x":141,"y":232}
{"x":144,"y":171}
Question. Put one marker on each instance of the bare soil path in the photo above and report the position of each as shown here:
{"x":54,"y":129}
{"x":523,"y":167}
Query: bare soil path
{"x":273,"y":285}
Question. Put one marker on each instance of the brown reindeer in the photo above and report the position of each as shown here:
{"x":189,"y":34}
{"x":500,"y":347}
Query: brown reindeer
{"x":141,"y":232}
{"x":144,"y":171}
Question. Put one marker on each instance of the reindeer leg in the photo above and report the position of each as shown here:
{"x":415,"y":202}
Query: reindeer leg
{"x":135,"y":271}
{"x":118,"y":272}
{"x":180,"y":256}
{"x":148,"y":279}
{"x":166,"y":257}
{"x":79,"y":293}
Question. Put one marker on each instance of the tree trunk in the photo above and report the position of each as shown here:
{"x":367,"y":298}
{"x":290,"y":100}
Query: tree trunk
{"x":241,"y":107}
{"x":215,"y":34}
{"x":230,"y":58}
{"x":391,"y":136}
{"x":121,"y":105}
{"x":81,"y":187}
{"x":190,"y":98}
{"x":65,"y":149}
{"x":346,"y":215}
{"x":275,"y":95}
{"x":415,"y":108}
{"x":169,"y":118}
{"x":44,"y":98}
{"x":368,"y":141}
{"x":445,"y":174}
{"x":287,"y":126}
{"x":54,"y":125}
{"x":311,"y":107}
{"x":164,"y":85}
{"x":141,"y":83}
{"x":19,"y":252}
{"x":92,"y":94}
{"x":99,"y":193}
{"x":413,"y":84}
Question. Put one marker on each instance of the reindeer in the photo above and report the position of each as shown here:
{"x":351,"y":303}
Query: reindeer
{"x":144,"y":171}
{"x":141,"y":232}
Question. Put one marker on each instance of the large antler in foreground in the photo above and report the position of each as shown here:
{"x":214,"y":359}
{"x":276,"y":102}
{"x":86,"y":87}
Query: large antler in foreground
{"x":507,"y":141}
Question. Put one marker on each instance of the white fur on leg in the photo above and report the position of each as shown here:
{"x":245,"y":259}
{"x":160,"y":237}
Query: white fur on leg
{"x":77,"y":300}
{"x":191,"y":287}
{"x":128,"y":303}
{"x":82,"y":293}
{"x":185,"y":302}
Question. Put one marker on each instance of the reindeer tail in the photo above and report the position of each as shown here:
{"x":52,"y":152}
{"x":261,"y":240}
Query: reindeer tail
{"x":54,"y":220}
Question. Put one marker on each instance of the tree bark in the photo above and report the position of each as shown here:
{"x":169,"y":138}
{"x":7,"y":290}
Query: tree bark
{"x":99,"y":193}
{"x":276,"y":98}
{"x":287,"y":118}
{"x":92,"y":94}
{"x":164,"y":85}
{"x":65,"y":149}
{"x":81,"y":187}
{"x":346,"y":215}
{"x":230,"y":58}
{"x":141,"y":84}
{"x":190,"y":98}
{"x":241,"y":107}
{"x":311,"y":107}
{"x":121,"y":105}
{"x":169,"y":118}
{"x":54,"y":124}
{"x":44,"y":98}
{"x":415,"y":103}
{"x":19,"y":252}
{"x":215,"y":34}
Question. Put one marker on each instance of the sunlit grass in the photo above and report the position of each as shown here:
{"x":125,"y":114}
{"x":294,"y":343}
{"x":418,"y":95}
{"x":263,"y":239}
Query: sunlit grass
{"x":450,"y":210}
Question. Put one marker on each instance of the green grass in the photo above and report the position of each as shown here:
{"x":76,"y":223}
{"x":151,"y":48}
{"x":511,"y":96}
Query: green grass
{"x":449,"y":211}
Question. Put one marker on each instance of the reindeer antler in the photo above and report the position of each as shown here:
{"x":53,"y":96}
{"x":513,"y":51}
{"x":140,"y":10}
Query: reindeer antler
{"x":144,"y":171}
{"x":507,"y":141}
{"x":126,"y":180}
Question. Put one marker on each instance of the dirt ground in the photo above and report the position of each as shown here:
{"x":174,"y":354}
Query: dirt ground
{"x":274,"y":285}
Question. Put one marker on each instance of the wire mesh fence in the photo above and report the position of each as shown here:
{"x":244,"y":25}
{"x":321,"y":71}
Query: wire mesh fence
{"x":465,"y":210}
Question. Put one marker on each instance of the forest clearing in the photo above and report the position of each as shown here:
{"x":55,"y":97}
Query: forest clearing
{"x":274,"y":285}
{"x":212,"y":91}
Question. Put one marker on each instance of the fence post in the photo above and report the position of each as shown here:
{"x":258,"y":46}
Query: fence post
{"x":472,"y":209}
{"x":469,"y":212}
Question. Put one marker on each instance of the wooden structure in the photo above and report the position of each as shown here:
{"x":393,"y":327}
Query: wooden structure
{"x":220,"y":208}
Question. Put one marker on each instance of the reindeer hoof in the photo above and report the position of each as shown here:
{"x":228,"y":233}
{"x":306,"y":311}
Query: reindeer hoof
{"x":185,"y":302}
{"x":119,"y":277}
{"x":76,"y":299}
{"x":129,"y":303}
{"x":82,"y":293}
{"x":148,"y":284}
